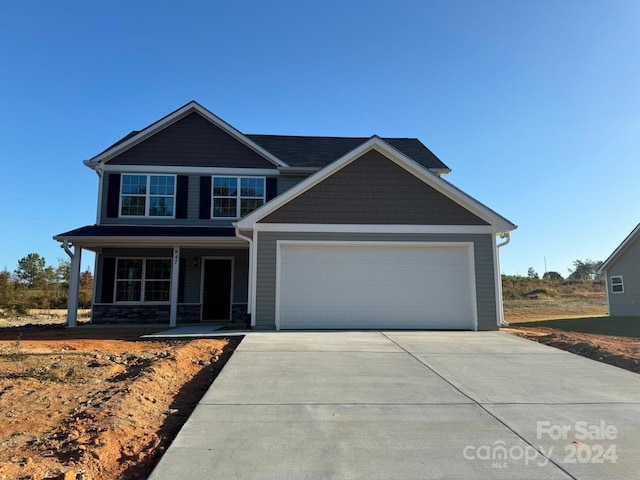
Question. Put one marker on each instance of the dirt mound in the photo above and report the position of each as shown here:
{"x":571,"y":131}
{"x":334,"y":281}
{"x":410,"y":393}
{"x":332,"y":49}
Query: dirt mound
{"x":97,"y":409}
{"x":622,"y":352}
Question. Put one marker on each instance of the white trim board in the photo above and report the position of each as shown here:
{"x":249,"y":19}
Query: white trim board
{"x":124,"y":241}
{"x":178,"y":170}
{"x":384,"y":228}
{"x":498,"y":222}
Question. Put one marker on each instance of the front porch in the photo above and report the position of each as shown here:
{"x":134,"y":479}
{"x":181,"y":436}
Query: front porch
{"x":160,"y":280}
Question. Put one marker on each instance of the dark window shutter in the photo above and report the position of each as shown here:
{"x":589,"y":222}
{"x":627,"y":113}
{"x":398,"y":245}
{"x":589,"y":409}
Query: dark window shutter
{"x":182,"y":195}
{"x":113,"y":195}
{"x":271,"y":188}
{"x":108,"y":278}
{"x":205,"y":198}
{"x":181,"y":275}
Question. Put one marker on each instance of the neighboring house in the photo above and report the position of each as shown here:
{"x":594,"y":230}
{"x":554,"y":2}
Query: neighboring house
{"x":198,"y":222}
{"x":622,"y":273}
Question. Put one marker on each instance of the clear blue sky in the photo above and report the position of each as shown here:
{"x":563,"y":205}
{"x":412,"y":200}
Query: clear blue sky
{"x":534,"y":105}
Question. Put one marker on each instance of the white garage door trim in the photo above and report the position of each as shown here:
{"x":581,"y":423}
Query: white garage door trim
{"x":466,"y":246}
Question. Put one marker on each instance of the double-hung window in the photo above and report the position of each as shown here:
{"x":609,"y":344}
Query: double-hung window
{"x":235,"y":197}
{"x":147,"y":195}
{"x":143,"y":280}
{"x":617,"y":284}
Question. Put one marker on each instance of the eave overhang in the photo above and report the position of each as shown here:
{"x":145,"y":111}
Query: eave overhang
{"x":99,"y":236}
{"x":497,"y":222}
{"x":191,"y":107}
{"x":632,"y":237}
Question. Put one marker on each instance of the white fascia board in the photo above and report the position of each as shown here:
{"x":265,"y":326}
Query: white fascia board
{"x":440,"y":171}
{"x":353,"y":228}
{"x":621,"y":248}
{"x":90,"y":164}
{"x":124,"y":241}
{"x":174,"y":117}
{"x":150,"y":169}
{"x":446,"y":188}
{"x":373,"y":243}
{"x":498,"y":222}
{"x":481,"y":210}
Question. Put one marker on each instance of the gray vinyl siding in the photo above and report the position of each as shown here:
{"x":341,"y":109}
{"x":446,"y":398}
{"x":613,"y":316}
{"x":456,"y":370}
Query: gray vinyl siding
{"x":285,"y":182}
{"x":483,"y":256}
{"x":373,"y":190}
{"x":193,"y":274}
{"x":192,"y":141}
{"x":193,"y":210}
{"x":627,"y":264}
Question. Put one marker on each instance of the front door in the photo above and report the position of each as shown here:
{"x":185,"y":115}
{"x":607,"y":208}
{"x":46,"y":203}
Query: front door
{"x":216,"y":289}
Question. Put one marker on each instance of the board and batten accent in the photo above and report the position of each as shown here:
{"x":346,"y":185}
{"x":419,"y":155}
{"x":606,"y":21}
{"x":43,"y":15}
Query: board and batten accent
{"x":481,"y":246}
{"x":371,"y":285}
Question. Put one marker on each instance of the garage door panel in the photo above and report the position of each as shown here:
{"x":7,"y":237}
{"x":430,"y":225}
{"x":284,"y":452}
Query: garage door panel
{"x":376,"y":286}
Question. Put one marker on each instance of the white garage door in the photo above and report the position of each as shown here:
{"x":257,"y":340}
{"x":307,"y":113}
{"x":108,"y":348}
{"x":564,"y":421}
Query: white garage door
{"x":366,"y":285}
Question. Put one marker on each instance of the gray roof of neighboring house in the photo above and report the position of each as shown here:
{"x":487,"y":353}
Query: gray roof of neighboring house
{"x":629,"y":240}
{"x":301,"y":151}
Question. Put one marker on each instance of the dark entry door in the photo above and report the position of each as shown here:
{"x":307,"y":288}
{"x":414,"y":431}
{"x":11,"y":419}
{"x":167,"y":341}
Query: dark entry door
{"x":216,"y":289}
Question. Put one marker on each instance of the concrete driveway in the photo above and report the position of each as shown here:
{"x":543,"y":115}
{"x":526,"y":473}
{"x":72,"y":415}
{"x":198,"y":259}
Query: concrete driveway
{"x":409,"y":405}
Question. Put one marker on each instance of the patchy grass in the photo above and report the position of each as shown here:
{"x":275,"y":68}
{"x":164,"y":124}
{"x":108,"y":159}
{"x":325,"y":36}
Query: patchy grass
{"x":527,"y":299}
{"x":527,"y":309}
{"x":601,"y":325}
{"x":534,"y":288}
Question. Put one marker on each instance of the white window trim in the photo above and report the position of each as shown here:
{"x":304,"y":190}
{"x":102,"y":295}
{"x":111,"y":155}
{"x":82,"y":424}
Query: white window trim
{"x":147,"y":203}
{"x":238,"y":196}
{"x":621,"y":284}
{"x":143,"y":279}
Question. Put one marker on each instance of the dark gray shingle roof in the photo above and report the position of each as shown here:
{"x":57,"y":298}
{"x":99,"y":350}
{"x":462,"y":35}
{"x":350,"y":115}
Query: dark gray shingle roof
{"x":298,"y":151}
{"x":317,"y":152}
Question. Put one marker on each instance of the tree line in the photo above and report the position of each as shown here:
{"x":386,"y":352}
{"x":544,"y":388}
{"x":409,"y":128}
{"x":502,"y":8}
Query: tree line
{"x":34,"y":284}
{"x":582,"y":270}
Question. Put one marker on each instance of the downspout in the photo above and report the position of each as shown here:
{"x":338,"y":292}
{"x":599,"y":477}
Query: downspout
{"x":250,"y":282}
{"x":507,"y":239}
{"x":65,"y":245}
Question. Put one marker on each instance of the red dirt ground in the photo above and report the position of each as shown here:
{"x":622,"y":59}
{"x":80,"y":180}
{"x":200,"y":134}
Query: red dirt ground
{"x":623,"y":352}
{"x":96,"y":403}
{"x":99,"y":403}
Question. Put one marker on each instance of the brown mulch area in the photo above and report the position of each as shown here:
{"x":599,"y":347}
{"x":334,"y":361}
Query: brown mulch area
{"x":96,"y":403}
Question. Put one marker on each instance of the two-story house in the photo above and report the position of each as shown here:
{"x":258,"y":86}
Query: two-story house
{"x":198,"y":222}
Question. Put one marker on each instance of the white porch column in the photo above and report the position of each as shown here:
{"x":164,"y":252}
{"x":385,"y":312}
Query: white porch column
{"x":74,"y":286}
{"x":175,"y":276}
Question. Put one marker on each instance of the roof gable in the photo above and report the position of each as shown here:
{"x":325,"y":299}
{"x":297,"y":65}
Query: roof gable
{"x":373,"y":190}
{"x":438,"y":184}
{"x":189,"y":133}
{"x":623,"y":247}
